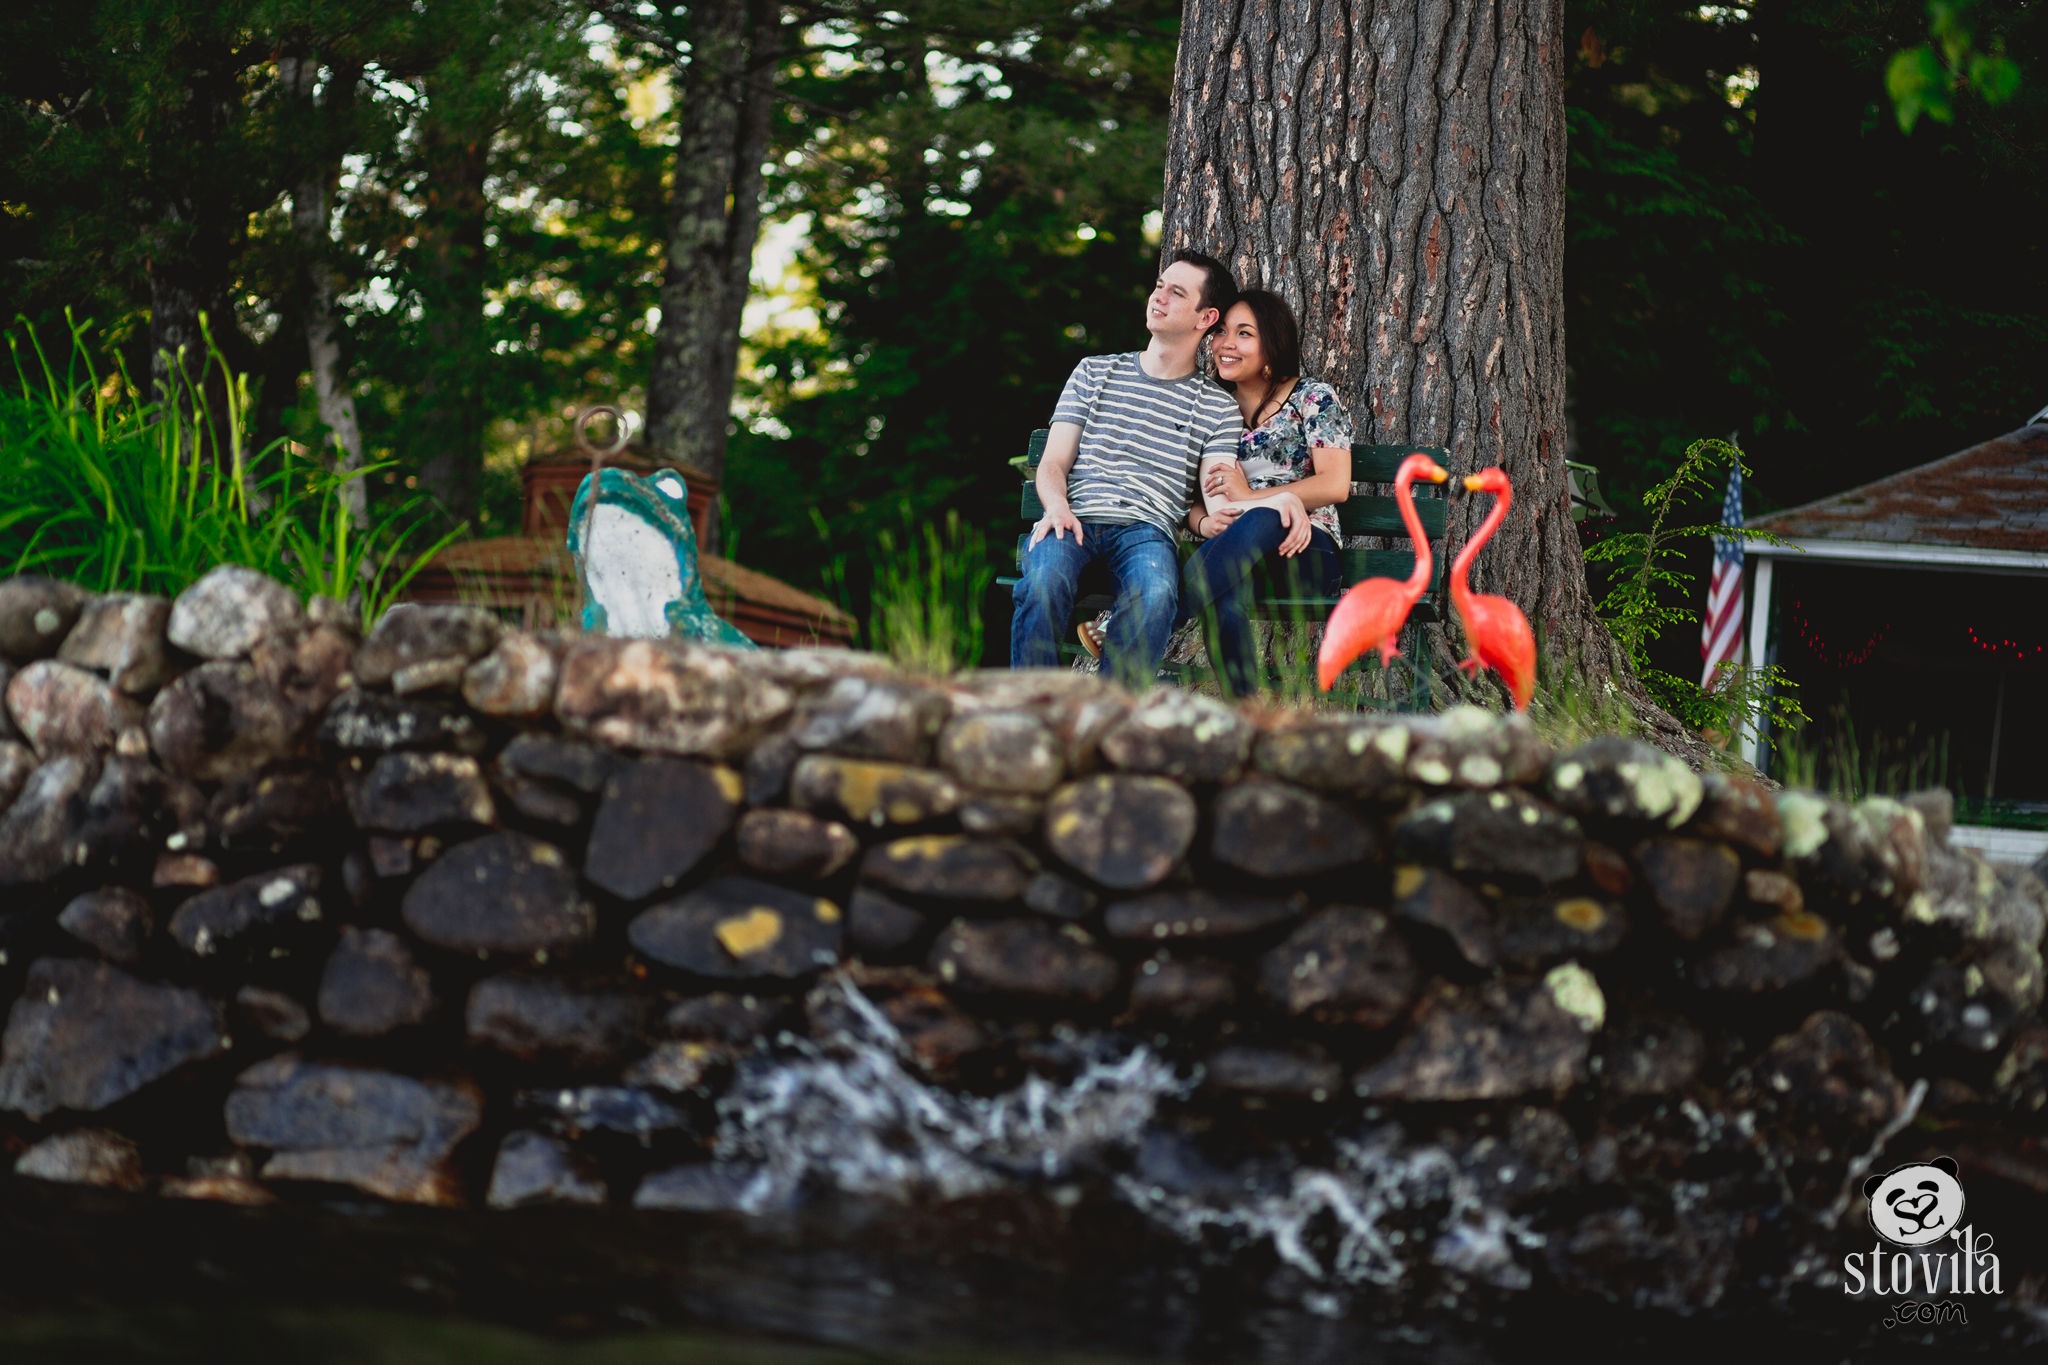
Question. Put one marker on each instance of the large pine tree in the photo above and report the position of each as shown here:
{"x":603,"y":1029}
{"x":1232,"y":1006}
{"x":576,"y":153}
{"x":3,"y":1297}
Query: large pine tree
{"x":1396,"y":170}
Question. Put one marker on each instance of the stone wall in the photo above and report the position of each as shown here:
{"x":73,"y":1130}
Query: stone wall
{"x":458,"y":915}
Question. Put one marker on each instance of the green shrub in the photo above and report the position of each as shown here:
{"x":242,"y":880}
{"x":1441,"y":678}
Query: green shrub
{"x":1636,"y":609}
{"x":119,"y":492}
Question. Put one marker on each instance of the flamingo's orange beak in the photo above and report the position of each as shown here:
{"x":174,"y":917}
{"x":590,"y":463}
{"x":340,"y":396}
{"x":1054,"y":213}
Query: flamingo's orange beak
{"x":1474,"y":484}
{"x":1436,"y":473}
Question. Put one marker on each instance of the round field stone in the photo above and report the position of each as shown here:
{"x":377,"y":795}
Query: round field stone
{"x":504,"y":893}
{"x":869,"y":792}
{"x":411,"y":793}
{"x":84,"y":1035}
{"x":737,"y":927}
{"x":1180,"y":735}
{"x":1193,"y":913}
{"x":61,"y":708}
{"x":1002,"y":751}
{"x":372,"y":985}
{"x":87,"y":1156}
{"x":1428,"y":895}
{"x":364,"y":722}
{"x":663,"y":697}
{"x":1353,"y":756}
{"x":219,"y":722}
{"x":1270,"y":829}
{"x":385,"y":1134}
{"x":1624,"y":781}
{"x":1182,"y":988}
{"x":36,"y":613}
{"x":121,"y":638}
{"x":251,"y":913}
{"x":1344,"y":965}
{"x":224,"y":614}
{"x":36,"y":829}
{"x":1024,"y":959}
{"x":1124,"y":832}
{"x":537,"y":1016}
{"x":114,"y":921}
{"x":1691,"y":881}
{"x":1498,"y":836}
{"x":658,"y":819}
{"x":416,"y":647}
{"x":537,"y":1168}
{"x":515,"y":680}
{"x":1501,"y":1039}
{"x":950,"y":867}
{"x":793,"y":844}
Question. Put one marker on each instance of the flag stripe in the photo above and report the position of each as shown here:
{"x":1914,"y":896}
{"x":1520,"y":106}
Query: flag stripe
{"x":1721,"y":626}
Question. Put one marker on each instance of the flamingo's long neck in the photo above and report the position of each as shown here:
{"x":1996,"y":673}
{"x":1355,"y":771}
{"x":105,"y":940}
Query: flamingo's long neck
{"x":1461,"y":567}
{"x":1404,"y":497}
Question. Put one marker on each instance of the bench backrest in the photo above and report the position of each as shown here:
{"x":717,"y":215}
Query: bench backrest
{"x":1360,"y":515}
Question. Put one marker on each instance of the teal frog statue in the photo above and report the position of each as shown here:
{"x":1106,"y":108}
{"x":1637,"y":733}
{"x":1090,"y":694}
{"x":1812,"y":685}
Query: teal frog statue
{"x":636,"y":557}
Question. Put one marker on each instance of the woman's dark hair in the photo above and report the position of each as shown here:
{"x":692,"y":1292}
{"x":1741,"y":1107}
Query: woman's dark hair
{"x":1279,"y":335}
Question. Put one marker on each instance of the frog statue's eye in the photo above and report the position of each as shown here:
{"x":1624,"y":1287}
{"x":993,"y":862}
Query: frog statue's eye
{"x":669,"y":486}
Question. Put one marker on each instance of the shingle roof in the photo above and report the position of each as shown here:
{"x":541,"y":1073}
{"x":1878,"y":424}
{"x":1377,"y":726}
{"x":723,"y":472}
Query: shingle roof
{"x":1992,"y":496}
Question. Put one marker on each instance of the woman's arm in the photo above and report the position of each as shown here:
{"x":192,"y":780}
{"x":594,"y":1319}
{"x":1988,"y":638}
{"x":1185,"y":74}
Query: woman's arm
{"x":1328,"y":486}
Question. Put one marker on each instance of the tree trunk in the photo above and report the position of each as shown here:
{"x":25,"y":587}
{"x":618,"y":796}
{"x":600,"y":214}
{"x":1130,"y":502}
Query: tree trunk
{"x":312,"y":207}
{"x":455,"y":139}
{"x":723,"y":101}
{"x":192,"y":247}
{"x":1396,"y":171}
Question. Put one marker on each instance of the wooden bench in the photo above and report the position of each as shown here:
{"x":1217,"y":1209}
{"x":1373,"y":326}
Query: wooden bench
{"x":1360,"y":515}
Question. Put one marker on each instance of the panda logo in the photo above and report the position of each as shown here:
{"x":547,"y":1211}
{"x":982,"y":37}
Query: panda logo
{"x":1916,"y":1204}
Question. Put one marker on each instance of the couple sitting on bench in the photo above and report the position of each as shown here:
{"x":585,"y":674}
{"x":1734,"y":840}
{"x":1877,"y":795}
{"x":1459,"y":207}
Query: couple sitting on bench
{"x":1253,"y":461}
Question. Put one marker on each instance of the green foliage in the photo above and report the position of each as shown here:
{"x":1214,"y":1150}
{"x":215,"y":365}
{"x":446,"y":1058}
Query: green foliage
{"x":1926,"y":79}
{"x":120,"y":493}
{"x":1849,"y":770}
{"x":974,"y":184}
{"x":1648,"y":577}
{"x":926,"y":592}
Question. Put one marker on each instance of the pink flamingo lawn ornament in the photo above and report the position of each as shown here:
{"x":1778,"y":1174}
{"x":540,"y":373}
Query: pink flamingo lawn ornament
{"x":1371,"y":614}
{"x":1496,"y":632}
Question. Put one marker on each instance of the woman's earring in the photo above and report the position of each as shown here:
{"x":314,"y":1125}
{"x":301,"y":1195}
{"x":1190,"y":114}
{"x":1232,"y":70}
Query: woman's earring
{"x":1265,"y":372}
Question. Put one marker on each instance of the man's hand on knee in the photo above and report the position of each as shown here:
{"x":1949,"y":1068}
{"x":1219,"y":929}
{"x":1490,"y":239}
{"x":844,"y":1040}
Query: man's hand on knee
{"x":1056,"y":524}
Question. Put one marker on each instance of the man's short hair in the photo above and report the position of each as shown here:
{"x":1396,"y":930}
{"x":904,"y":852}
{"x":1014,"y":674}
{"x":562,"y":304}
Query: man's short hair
{"x":1219,"y":289}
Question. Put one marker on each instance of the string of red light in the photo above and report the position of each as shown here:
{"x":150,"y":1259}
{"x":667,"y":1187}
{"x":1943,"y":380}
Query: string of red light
{"x":1998,"y":647}
{"x":1851,"y":658}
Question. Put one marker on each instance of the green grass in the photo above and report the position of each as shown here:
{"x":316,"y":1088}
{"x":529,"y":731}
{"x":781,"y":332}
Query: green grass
{"x":116,"y":491}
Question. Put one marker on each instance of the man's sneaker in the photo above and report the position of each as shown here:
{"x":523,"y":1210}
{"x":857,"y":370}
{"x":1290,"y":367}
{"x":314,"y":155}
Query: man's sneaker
{"x":1092,"y":632}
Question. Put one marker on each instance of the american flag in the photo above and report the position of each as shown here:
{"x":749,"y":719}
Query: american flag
{"x":1721,"y":631}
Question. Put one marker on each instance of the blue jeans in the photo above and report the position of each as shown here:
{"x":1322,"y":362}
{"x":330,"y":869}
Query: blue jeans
{"x":1218,"y":582}
{"x":1146,"y":572}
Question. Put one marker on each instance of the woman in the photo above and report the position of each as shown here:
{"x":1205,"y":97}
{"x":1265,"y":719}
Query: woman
{"x":1275,"y":505}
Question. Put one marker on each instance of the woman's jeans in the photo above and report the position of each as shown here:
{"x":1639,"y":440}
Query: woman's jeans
{"x":1218,"y":582}
{"x":1145,"y":569}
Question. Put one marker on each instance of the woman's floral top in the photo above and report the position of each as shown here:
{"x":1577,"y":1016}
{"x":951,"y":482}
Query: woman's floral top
{"x":1277,"y":451}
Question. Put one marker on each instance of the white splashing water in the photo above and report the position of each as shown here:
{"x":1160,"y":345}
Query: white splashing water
{"x":853,"y":1117}
{"x":1342,"y":1225}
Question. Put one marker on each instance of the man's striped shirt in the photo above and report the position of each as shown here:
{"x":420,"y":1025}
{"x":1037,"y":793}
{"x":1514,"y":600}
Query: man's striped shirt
{"x":1142,"y":439}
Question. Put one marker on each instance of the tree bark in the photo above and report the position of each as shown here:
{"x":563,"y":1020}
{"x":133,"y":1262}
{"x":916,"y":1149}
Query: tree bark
{"x":455,"y":140}
{"x":1395,"y":169}
{"x":192,"y":247}
{"x":312,"y":208}
{"x":723,"y":101}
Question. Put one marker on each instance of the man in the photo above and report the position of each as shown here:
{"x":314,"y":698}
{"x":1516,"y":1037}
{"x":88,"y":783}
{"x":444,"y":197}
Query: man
{"x":1118,"y":475}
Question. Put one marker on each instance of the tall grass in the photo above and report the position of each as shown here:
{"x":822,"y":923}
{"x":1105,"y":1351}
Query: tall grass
{"x":925,"y":587}
{"x":1849,"y":769}
{"x":114,"y":490}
